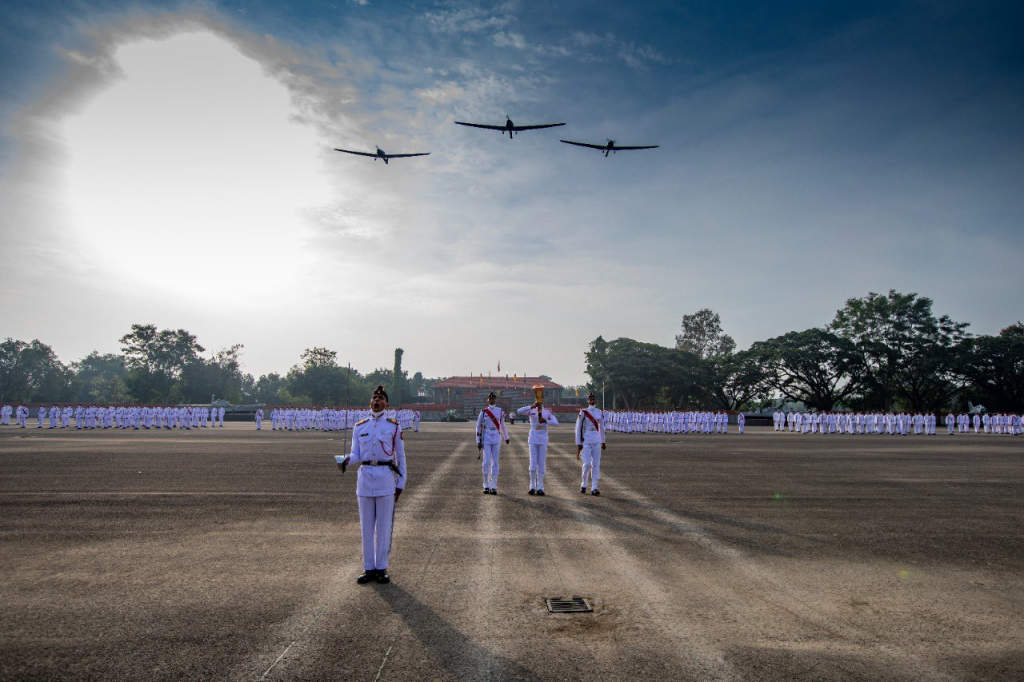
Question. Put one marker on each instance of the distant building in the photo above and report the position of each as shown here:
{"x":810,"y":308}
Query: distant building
{"x":469,"y":394}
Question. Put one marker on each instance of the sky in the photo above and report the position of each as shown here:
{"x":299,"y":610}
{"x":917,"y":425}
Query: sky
{"x":173,"y":163}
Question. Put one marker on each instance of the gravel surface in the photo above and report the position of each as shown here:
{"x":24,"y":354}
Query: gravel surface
{"x":232,"y":554}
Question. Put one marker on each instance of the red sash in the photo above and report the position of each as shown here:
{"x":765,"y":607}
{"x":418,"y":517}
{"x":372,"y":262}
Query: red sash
{"x":493,"y":419}
{"x":591,"y":418}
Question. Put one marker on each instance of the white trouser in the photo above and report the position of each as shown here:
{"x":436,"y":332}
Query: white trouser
{"x":375,"y":517}
{"x":538,"y":461}
{"x":591,"y":456}
{"x":490,"y":464}
{"x":259,"y":424}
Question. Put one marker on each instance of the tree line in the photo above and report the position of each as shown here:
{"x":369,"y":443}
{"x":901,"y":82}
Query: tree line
{"x":886,"y":352}
{"x":165,"y":366}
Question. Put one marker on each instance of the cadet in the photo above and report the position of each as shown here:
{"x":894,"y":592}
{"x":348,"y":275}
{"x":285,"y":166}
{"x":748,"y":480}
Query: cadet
{"x":590,"y":434}
{"x":540,"y":417}
{"x":490,"y":431}
{"x":378,"y":449}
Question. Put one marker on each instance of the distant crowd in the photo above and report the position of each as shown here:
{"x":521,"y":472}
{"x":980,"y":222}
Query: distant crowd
{"x":670,"y":422}
{"x":114,"y":417}
{"x":895,"y":423}
{"x":292,"y":419}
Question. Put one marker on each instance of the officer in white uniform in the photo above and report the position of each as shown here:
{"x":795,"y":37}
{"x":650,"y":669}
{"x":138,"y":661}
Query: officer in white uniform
{"x":490,"y":431}
{"x":540,"y":418}
{"x":378,"y":449}
{"x":590,"y":441}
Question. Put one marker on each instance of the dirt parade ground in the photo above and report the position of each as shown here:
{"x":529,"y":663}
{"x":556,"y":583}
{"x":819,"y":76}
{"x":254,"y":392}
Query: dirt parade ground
{"x":232,"y":554}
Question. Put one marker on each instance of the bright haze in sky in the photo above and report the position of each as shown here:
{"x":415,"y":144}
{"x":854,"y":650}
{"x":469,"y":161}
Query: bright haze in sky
{"x":173,"y":163}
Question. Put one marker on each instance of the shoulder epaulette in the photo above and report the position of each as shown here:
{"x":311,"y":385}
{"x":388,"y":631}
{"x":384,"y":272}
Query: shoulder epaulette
{"x":393,"y":421}
{"x":362,"y":421}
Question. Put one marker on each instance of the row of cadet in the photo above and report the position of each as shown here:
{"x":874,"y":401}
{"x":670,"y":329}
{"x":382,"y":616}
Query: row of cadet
{"x":119,"y":417}
{"x":294,"y":419}
{"x":671,"y":422}
{"x":895,"y":423}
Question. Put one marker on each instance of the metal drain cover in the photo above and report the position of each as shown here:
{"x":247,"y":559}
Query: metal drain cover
{"x":572,"y":605}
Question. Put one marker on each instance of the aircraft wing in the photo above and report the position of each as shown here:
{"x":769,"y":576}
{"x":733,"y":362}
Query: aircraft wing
{"x":404,"y":156}
{"x":546,"y":125}
{"x":584,"y":144}
{"x":480,"y":125}
{"x":617,"y":148}
{"x":349,"y":151}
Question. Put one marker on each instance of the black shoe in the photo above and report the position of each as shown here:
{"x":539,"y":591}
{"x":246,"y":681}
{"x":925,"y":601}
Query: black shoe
{"x":583,"y":490}
{"x":382,"y":576}
{"x":540,"y":492}
{"x":487,"y":491}
{"x":494,"y":491}
{"x":367,"y":577}
{"x":532,"y":492}
{"x":596,"y":492}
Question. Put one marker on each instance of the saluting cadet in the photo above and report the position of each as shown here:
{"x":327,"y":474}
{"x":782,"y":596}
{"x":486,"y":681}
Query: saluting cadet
{"x":378,"y":448}
{"x":490,"y":431}
{"x":590,"y":442}
{"x":540,"y":418}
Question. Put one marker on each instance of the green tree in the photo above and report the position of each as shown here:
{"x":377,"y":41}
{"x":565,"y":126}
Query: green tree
{"x":736,"y":381}
{"x":995,"y":369}
{"x":156,"y":360}
{"x":101,"y":379}
{"x":908,"y":354}
{"x":318,"y":378}
{"x":702,"y":335}
{"x":33,"y":372}
{"x":815,"y":367}
{"x":398,"y":379}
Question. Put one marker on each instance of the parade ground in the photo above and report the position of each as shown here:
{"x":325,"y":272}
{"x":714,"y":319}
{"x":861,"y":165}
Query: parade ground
{"x":232,"y":554}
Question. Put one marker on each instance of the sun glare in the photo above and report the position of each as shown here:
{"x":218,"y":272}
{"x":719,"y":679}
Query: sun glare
{"x":187,"y":173}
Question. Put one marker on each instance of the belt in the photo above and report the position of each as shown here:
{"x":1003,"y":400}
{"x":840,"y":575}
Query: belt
{"x":389,"y":465}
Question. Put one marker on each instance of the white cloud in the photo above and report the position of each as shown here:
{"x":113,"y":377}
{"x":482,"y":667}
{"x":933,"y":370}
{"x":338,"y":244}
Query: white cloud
{"x":509,"y":39}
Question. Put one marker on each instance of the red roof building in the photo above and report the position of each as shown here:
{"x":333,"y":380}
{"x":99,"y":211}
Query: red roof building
{"x":469,"y":394}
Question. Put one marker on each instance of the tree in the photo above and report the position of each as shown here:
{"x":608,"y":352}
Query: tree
{"x":101,"y":379}
{"x":907,"y":353}
{"x":815,"y":367}
{"x":33,"y":372}
{"x":737,"y":381}
{"x":996,"y":369}
{"x":156,"y":360}
{"x":398,"y":379}
{"x":703,"y":336}
{"x":319,"y":379}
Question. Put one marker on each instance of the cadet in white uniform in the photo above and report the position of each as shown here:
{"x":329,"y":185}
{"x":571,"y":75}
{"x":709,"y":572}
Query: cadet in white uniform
{"x":590,"y":442}
{"x":490,"y":431}
{"x":378,"y":448}
{"x":540,"y":418}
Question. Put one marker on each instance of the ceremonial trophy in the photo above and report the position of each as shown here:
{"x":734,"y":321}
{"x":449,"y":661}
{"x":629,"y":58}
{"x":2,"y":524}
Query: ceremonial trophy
{"x":538,"y":392}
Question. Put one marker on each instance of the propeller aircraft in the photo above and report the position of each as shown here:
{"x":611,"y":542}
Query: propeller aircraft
{"x":381,"y":154}
{"x":608,"y":148}
{"x":509,"y":127}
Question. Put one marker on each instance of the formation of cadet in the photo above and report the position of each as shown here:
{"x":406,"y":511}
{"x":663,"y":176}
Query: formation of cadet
{"x":590,"y":441}
{"x":379,"y":449}
{"x":893,"y":423}
{"x":116,"y":416}
{"x":490,"y":431}
{"x":667,"y":422}
{"x":306,"y":419}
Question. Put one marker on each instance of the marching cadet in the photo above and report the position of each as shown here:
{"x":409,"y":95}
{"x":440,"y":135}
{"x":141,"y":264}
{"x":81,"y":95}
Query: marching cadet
{"x":540,"y":418}
{"x":378,"y":449}
{"x":259,"y":418}
{"x":590,"y":434}
{"x":490,"y":431}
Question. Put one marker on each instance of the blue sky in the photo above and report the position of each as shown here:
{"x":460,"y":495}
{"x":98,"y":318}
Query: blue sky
{"x":810,"y":152}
